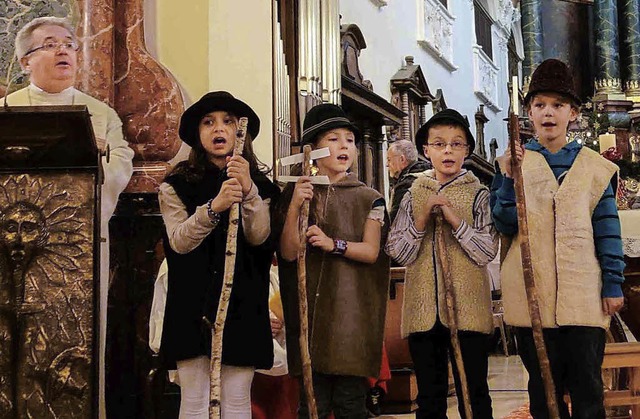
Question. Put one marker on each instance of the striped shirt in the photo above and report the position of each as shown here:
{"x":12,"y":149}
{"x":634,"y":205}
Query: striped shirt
{"x":479,"y":241}
{"x":605,"y":221}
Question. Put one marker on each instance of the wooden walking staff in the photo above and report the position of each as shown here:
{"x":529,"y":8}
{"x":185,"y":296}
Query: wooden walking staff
{"x":303,"y":223}
{"x":452,"y":316}
{"x":229,"y":269}
{"x":525,"y":250}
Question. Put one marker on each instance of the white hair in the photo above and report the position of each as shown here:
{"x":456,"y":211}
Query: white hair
{"x":23,"y":41}
{"x":406,"y":148}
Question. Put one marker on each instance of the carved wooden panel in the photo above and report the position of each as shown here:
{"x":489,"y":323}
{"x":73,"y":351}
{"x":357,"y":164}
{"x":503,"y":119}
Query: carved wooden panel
{"x":47,"y":295}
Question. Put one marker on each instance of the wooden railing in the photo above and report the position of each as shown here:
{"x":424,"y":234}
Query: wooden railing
{"x":624,"y":355}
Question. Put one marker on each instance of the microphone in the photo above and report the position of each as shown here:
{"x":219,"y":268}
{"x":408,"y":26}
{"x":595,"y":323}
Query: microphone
{"x":18,"y":78}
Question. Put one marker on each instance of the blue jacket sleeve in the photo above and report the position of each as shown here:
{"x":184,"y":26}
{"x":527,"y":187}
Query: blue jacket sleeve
{"x":608,"y":241}
{"x":503,"y":205}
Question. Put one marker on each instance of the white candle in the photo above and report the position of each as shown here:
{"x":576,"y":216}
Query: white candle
{"x":606,"y":142}
{"x":514,"y":91}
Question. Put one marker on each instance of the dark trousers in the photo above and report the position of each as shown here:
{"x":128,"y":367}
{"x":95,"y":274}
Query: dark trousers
{"x":575,"y":355}
{"x":344,"y":395}
{"x":430,"y":351}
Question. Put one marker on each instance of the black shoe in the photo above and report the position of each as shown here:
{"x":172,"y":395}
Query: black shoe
{"x":374,"y":401}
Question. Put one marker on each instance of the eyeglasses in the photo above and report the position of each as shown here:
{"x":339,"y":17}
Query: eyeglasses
{"x":441,"y":145}
{"x":53,"y":46}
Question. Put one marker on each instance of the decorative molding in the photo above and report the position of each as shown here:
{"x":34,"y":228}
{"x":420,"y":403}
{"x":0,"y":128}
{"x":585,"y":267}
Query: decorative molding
{"x":435,"y":31}
{"x":507,"y":15}
{"x":485,"y":78}
{"x":503,"y":39}
{"x":612,"y":85}
{"x":379,"y":3}
{"x":632,"y":87}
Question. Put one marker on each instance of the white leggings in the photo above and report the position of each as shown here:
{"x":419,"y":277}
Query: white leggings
{"x":194,"y":390}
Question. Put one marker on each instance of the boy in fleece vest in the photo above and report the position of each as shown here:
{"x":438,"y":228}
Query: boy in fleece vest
{"x":471,"y":243}
{"x":576,"y":249}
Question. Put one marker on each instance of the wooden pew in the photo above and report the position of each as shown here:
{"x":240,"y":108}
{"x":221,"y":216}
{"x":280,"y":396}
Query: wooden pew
{"x":624,"y":355}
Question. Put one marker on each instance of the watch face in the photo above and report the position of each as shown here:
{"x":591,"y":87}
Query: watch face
{"x":340,"y":246}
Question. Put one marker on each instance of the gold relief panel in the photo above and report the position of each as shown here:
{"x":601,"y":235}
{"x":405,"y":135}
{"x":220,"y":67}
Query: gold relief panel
{"x":46,"y":295}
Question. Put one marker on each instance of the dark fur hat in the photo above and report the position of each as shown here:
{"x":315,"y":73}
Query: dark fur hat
{"x":552,"y":76}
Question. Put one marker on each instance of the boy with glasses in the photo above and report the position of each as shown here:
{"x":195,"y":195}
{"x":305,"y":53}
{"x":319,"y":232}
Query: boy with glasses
{"x":471,"y":243}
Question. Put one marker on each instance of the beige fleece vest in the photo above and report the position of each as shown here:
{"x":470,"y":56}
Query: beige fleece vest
{"x":566,"y":270}
{"x":470,"y":281}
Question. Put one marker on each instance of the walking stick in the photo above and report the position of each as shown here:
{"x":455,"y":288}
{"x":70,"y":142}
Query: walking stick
{"x":303,"y":224}
{"x":450,"y":298}
{"x":527,"y":267}
{"x":229,"y":267}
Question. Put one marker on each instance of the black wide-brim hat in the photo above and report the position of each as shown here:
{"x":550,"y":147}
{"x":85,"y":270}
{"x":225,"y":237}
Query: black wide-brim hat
{"x":322,"y":118}
{"x":215,"y":101}
{"x":445,"y":117}
{"x":552,"y":76}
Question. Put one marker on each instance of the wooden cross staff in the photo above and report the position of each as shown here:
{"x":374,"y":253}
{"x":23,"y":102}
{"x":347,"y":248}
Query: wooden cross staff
{"x":225,"y":294}
{"x":303,"y":223}
{"x":525,"y":250}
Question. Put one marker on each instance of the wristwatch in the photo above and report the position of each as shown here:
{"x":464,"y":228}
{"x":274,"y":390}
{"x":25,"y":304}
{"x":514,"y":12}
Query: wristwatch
{"x":213,"y":216}
{"x":339,"y":247}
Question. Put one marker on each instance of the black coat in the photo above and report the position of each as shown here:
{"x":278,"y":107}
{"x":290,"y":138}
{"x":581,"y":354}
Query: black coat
{"x":195,"y":280}
{"x":404,"y":182}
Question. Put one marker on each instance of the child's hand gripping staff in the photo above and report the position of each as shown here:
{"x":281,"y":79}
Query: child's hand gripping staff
{"x":225,"y":294}
{"x":525,"y":249}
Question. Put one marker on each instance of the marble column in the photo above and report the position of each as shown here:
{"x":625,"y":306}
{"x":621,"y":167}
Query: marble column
{"x":532,"y":38}
{"x":96,"y":33}
{"x":607,"y":77}
{"x":147,"y":98}
{"x":630,"y":27}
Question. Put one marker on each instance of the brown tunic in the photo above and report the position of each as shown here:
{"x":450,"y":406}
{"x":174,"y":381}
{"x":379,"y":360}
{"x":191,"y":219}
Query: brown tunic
{"x":347,"y":299}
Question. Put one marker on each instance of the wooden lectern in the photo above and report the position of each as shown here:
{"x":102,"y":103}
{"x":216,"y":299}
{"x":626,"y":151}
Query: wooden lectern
{"x":50,"y":175}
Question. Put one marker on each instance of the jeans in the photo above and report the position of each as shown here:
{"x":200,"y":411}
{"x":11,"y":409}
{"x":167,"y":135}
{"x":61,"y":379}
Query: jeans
{"x":575,"y":355}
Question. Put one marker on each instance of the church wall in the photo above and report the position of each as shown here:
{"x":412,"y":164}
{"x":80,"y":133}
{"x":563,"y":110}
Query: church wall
{"x":391,"y":34}
{"x":212,"y":45}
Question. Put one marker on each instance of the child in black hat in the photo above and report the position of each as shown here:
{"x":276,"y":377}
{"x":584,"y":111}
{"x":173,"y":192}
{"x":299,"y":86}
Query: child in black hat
{"x":576,"y":249}
{"x":195,"y":199}
{"x":471,"y":244}
{"x":347,"y":272}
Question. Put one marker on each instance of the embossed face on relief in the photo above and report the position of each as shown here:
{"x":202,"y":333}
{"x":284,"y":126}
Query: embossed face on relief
{"x":23,"y":232}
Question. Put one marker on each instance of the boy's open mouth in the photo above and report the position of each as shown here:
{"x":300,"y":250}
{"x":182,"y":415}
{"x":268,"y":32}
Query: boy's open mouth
{"x":343,"y":157}
{"x":548,"y":124}
{"x":62,"y":63}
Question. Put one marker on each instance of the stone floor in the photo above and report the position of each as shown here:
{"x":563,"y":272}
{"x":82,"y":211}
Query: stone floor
{"x":507,"y":383}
